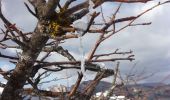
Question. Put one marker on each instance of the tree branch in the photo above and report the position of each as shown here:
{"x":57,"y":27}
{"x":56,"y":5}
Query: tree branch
{"x":89,"y":61}
{"x":28,"y":8}
{"x":76,"y":85}
{"x":61,"y":51}
{"x":66,"y":5}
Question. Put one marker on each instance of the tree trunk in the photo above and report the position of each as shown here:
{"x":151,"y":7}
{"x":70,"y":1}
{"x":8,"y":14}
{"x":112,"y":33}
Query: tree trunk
{"x":24,"y":66}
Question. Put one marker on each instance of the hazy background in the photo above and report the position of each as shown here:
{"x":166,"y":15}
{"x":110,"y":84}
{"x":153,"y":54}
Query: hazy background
{"x":150,"y":44}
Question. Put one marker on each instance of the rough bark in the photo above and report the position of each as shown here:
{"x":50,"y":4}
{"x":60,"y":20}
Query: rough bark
{"x":24,"y":67}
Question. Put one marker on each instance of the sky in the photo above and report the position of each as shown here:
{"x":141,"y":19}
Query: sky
{"x":150,"y":44}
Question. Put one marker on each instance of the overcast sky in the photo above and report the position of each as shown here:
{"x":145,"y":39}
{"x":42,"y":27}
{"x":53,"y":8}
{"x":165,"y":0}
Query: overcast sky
{"x":150,"y":44}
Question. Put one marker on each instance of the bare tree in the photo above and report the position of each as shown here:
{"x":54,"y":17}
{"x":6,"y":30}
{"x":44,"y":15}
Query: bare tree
{"x":53,"y":27}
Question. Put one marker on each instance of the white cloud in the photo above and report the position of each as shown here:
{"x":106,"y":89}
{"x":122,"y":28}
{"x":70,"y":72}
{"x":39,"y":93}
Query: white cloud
{"x":151,"y":14}
{"x":168,"y":55}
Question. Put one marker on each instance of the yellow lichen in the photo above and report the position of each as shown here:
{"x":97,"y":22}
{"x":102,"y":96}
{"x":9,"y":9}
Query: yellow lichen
{"x":54,"y":28}
{"x":60,"y":21}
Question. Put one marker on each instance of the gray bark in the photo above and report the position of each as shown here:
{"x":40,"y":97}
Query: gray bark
{"x":24,"y":66}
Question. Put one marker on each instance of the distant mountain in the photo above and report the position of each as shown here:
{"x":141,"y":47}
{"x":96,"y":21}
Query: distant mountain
{"x":102,"y":86}
{"x":147,"y":91}
{"x":149,"y":84}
